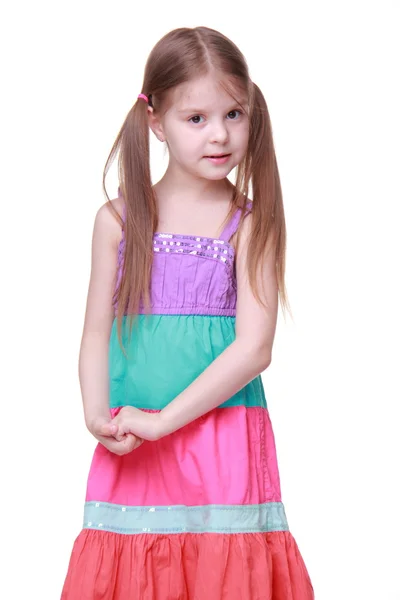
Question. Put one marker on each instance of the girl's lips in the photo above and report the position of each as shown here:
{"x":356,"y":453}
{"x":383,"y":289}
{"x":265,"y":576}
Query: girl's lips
{"x":219,"y":160}
{"x":217,"y":155}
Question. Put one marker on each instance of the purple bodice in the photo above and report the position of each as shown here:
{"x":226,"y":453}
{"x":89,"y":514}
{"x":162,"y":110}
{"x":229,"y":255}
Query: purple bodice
{"x":192,"y":274}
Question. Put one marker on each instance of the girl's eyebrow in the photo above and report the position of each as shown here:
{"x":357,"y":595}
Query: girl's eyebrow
{"x":191,"y":110}
{"x":202,"y":110}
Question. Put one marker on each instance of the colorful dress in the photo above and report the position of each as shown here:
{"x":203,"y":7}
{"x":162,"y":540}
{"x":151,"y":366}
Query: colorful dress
{"x":196,"y":515}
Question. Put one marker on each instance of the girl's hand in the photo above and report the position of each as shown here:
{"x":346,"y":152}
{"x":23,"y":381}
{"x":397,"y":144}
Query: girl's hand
{"x":131,"y":420}
{"x":100,"y":429}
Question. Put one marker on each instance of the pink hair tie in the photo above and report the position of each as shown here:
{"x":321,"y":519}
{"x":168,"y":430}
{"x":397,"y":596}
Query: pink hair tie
{"x":144,"y":97}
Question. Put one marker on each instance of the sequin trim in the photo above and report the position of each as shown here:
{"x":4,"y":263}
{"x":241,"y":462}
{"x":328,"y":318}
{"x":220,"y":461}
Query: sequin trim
{"x":185,"y":519}
{"x":168,"y":243}
{"x":198,"y":246}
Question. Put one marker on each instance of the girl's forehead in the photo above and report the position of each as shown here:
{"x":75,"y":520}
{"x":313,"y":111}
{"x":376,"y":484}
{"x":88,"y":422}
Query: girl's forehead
{"x":206,"y":93}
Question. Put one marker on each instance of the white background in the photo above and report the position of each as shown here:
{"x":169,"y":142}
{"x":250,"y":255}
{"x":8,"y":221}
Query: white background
{"x":329,"y":72}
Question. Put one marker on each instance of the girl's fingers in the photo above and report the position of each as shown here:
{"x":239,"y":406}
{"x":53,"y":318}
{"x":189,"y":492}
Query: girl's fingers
{"x":138,"y":443}
{"x":129,"y":442}
{"x":111,"y":430}
{"x":119,"y":432}
{"x":121,"y":444}
{"x":105,"y":429}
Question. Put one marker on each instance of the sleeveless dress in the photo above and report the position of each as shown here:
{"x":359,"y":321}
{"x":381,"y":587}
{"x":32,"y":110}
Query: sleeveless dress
{"x":198,"y":514}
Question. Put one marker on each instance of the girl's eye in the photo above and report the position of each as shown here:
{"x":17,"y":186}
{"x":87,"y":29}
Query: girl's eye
{"x":195,"y":117}
{"x":234,"y":111}
{"x":200,"y":117}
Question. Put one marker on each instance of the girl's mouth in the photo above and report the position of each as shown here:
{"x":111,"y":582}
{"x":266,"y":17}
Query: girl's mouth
{"x":218,"y":160}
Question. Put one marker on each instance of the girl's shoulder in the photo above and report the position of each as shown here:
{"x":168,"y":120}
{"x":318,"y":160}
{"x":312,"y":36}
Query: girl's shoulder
{"x":110,"y":219}
{"x":118,"y":205}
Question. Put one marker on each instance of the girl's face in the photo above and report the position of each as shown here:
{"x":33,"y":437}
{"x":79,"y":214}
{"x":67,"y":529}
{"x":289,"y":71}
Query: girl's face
{"x":204,"y":120}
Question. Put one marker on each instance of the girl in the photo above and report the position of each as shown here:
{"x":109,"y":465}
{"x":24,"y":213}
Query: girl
{"x":183,"y":497}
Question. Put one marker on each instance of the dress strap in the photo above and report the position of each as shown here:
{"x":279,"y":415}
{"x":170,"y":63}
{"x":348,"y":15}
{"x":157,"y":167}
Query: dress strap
{"x":232,"y":225}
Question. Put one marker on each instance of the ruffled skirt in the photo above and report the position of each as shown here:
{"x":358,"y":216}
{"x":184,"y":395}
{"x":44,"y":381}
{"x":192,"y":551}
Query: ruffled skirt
{"x":205,"y":566}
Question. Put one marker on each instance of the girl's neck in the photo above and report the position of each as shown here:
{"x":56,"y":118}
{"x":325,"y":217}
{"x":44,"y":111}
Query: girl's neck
{"x":194,"y":193}
{"x":179,"y":211}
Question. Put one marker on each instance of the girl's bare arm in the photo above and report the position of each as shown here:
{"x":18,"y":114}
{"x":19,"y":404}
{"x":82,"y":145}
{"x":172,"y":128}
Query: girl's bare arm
{"x":93,"y":357}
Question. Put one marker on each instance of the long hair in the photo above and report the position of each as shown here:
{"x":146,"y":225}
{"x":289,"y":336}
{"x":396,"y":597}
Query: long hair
{"x":178,"y":57}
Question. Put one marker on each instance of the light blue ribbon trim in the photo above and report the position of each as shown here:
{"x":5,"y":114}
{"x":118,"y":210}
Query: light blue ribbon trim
{"x":213,"y":518}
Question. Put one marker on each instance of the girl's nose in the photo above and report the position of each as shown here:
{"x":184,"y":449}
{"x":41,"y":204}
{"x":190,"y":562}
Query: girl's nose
{"x":219,"y":133}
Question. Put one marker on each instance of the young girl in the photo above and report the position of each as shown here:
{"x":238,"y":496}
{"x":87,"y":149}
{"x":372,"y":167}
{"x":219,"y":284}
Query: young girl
{"x":183,"y":498}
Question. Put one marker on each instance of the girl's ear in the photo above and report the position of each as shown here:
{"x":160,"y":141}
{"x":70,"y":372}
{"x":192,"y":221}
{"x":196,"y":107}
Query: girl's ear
{"x":155,"y":124}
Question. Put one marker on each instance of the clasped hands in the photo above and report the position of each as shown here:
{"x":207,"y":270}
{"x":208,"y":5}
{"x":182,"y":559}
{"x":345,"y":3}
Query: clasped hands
{"x":128,"y":429}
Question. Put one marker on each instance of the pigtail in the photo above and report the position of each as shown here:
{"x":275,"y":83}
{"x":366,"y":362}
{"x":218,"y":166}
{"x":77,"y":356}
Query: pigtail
{"x":135,"y":187}
{"x":268,"y":223}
